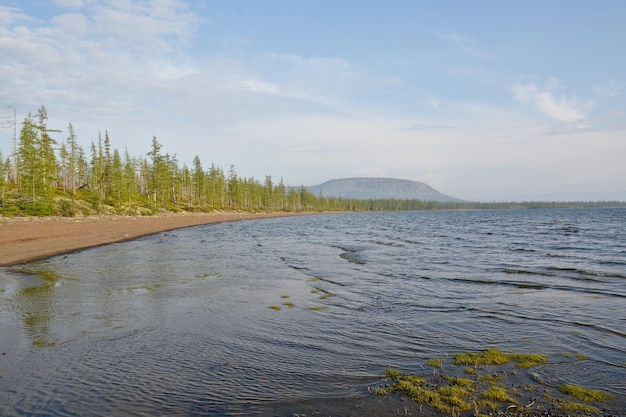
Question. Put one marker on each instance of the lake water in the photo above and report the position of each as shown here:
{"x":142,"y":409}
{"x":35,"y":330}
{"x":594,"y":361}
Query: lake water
{"x":180,"y":323}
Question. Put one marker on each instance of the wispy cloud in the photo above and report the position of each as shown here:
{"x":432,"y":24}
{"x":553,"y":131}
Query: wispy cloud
{"x":420,"y":127}
{"x":462,"y":42}
{"x":466,"y":44}
{"x":549,"y":101}
{"x":609,"y":90}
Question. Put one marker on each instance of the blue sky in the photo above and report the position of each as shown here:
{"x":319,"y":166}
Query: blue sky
{"x":480,"y":99}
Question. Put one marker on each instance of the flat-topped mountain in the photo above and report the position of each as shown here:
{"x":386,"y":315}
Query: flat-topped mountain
{"x":379,"y":188}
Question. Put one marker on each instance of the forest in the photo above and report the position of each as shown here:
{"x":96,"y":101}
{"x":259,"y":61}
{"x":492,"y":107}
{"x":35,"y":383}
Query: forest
{"x":42,"y":176}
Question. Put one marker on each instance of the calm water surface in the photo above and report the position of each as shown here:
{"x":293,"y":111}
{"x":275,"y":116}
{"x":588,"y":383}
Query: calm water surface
{"x":179,"y":323}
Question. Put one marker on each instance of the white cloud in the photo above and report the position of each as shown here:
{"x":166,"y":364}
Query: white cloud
{"x":72,"y":24}
{"x":12,"y":15}
{"x":557,"y":106}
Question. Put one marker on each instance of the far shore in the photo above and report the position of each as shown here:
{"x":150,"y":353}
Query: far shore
{"x":28,"y":239}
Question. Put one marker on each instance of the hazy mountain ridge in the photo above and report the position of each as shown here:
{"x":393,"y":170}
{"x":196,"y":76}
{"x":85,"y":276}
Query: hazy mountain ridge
{"x":380,"y":188}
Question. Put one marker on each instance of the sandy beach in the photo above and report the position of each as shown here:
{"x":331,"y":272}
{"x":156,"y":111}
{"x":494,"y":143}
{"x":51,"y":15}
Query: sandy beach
{"x":29,"y":239}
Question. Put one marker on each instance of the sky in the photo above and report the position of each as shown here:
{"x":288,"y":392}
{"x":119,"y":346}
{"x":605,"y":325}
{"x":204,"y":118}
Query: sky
{"x":482,"y":100}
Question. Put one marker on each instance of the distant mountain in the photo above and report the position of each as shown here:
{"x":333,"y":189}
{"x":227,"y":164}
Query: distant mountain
{"x":379,"y":188}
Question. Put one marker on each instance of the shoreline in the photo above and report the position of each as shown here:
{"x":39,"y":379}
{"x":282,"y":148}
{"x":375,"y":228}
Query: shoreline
{"x":30,"y":239}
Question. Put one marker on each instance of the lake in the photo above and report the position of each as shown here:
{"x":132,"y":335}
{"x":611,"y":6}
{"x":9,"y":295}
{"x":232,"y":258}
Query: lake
{"x":247,"y":317}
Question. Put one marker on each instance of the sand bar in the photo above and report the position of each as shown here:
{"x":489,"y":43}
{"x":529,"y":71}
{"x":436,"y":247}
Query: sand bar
{"x":30,"y":239}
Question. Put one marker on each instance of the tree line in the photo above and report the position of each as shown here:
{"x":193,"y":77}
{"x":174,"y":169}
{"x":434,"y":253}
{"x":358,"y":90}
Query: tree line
{"x":43,"y":177}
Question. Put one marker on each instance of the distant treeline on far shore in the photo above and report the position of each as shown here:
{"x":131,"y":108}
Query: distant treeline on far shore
{"x":46,"y":177}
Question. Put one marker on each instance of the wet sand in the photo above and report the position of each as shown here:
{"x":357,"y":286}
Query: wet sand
{"x":29,"y":239}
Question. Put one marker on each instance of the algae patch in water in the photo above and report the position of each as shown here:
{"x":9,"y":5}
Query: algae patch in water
{"x":577,"y":407}
{"x":207,"y":275}
{"x":584,"y":394}
{"x":318,"y":308}
{"x":434,"y":363}
{"x":144,"y":287}
{"x":484,"y":389}
{"x":492,"y":383}
{"x":495,"y":357}
{"x":289,"y":304}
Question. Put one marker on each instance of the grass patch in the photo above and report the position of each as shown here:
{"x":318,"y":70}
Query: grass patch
{"x":460,"y":382}
{"x":434,"y":363}
{"x":498,"y":394}
{"x":145,"y":287}
{"x":313,"y":279}
{"x":289,"y":304}
{"x":43,"y":343}
{"x":480,"y":389}
{"x":577,"y":408}
{"x":207,"y":275}
{"x":277,"y":308}
{"x":488,"y":389}
{"x":315,"y":290}
{"x":584,"y":394}
{"x":528,"y":360}
{"x":318,"y":308}
{"x":488,"y":357}
{"x":449,"y":399}
{"x":568,"y":355}
{"x":392,"y":373}
{"x":284,"y":296}
{"x":495,"y":357}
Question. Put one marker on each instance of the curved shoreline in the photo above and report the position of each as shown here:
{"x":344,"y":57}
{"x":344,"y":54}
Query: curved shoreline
{"x":30,"y":239}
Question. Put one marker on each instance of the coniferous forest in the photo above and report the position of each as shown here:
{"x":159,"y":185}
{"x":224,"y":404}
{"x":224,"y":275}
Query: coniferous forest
{"x":42,"y":176}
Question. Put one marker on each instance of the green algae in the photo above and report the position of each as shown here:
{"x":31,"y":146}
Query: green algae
{"x":446,"y":399}
{"x":289,"y":304}
{"x":571,"y":407}
{"x":461,"y":382}
{"x":495,"y":357}
{"x":493,"y":381}
{"x":392,"y":373}
{"x":483,"y":389}
{"x":568,"y":355}
{"x":498,"y":394}
{"x":434,"y":363}
{"x":274,"y":307}
{"x":584,"y":394}
{"x":318,"y":308}
{"x":144,"y":287}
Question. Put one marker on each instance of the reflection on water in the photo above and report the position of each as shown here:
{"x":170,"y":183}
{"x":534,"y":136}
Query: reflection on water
{"x":35,"y":303}
{"x":180,"y":323}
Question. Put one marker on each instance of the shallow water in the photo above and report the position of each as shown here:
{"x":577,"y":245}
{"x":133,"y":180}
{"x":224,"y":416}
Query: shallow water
{"x":179,"y":323}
